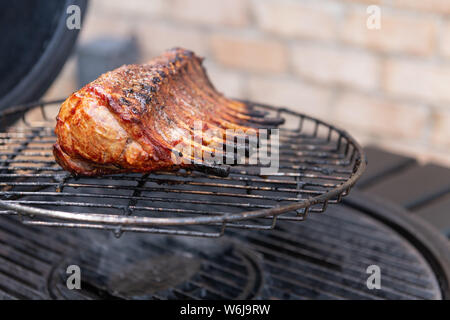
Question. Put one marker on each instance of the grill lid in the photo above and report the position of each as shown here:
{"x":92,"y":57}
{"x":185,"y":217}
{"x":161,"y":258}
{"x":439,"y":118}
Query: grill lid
{"x":37,"y":43}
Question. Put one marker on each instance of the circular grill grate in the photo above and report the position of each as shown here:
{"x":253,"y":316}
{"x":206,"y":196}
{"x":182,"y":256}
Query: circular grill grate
{"x":318,"y":164}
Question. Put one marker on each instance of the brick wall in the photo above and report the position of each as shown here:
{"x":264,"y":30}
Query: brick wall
{"x":390,"y":86}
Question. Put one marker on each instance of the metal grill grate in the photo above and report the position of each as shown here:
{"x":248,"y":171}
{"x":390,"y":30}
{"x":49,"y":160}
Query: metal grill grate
{"x":325,"y":258}
{"x":318,"y":164}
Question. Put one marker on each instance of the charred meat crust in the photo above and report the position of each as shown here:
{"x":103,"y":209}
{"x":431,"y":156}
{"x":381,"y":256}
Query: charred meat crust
{"x":132,"y":119}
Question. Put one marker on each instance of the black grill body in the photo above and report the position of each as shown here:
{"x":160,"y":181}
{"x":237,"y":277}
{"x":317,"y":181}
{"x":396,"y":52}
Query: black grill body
{"x":37,"y":43}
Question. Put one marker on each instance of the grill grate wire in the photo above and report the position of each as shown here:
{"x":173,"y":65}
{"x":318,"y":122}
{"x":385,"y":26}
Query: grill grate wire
{"x":318,"y":165}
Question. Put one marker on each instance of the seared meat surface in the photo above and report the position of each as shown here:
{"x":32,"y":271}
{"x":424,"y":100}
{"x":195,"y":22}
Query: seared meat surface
{"x":136,"y":118}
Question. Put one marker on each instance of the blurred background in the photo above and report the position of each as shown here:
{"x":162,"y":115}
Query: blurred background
{"x":388,"y":87}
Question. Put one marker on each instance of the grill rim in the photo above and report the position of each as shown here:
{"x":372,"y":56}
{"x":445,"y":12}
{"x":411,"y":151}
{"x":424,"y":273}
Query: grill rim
{"x":119,"y":221}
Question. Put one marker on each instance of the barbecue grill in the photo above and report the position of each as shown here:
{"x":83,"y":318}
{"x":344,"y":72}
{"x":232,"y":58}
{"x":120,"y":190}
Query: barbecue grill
{"x":247,"y":239}
{"x":318,"y":164}
{"x":324,"y":258}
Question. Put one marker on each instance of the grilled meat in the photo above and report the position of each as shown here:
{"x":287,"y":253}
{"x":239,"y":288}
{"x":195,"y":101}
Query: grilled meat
{"x":136,"y":118}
